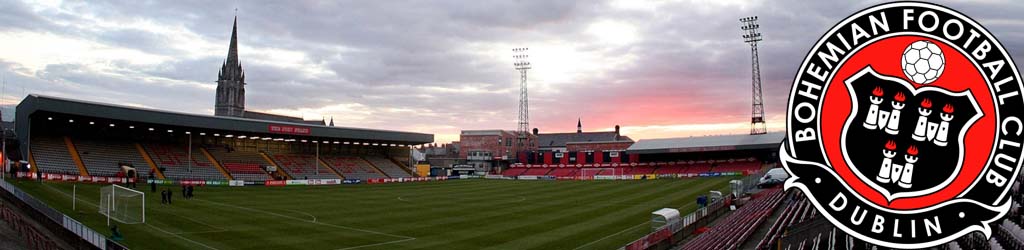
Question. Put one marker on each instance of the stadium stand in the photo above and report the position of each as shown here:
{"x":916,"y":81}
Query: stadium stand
{"x":1009,"y":235}
{"x":51,"y":120}
{"x":670,"y":169}
{"x":511,"y":172}
{"x":242,"y":165}
{"x":562,"y":172}
{"x":352,"y":167}
{"x":661,"y":168}
{"x":797,"y":210}
{"x":974,"y":240}
{"x":33,"y":238}
{"x":615,"y":171}
{"x":101,"y":157}
{"x":698,"y":168}
{"x":246,"y":171}
{"x":303,"y":166}
{"x":174,"y":161}
{"x":644,"y":170}
{"x":737,"y":166}
{"x":1016,"y":210}
{"x":734,"y":229}
{"x":537,"y":171}
{"x":387,"y":166}
{"x":52,"y":156}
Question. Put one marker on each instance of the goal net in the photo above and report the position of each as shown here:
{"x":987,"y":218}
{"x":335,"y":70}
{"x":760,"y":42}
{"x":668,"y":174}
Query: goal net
{"x":123,"y":205}
{"x":591,"y":173}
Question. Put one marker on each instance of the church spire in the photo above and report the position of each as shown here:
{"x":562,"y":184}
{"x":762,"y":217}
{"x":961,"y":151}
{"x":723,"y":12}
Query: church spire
{"x":230,"y":99}
{"x":579,"y":125}
{"x":233,"y":48}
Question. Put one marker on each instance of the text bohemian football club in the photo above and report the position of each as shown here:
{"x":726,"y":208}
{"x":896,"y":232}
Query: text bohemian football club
{"x":904,"y":126}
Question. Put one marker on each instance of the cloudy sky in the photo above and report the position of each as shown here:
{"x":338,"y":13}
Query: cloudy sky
{"x":658,"y":68}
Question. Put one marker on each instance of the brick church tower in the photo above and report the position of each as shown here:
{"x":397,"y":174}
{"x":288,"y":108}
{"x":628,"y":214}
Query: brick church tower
{"x":231,"y":82}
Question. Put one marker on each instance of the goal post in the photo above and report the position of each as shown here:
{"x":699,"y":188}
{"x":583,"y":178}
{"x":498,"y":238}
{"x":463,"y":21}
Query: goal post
{"x":122,"y":204}
{"x":590,"y":173}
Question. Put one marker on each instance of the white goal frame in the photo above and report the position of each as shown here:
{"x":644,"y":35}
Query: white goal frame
{"x":583,"y":172}
{"x":112,"y":203}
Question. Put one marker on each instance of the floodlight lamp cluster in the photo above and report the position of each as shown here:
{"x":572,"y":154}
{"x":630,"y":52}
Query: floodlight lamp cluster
{"x":521,"y":58}
{"x":750,"y":26}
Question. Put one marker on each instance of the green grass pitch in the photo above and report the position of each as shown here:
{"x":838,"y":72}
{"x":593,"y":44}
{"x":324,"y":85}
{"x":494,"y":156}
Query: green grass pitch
{"x":456,"y":214}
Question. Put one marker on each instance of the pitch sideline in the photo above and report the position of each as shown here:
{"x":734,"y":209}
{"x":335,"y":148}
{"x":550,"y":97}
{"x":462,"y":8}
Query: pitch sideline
{"x":623,"y":231}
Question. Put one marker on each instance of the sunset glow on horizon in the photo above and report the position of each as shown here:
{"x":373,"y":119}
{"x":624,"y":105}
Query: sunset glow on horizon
{"x":659,"y":70}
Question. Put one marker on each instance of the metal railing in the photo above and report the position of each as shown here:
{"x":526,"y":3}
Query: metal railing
{"x":77,"y":228}
{"x":685,"y":226}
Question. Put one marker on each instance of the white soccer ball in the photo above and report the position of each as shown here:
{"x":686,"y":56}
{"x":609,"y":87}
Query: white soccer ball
{"x":923,"y":62}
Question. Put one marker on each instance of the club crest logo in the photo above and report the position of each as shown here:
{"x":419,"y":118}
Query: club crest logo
{"x":904,"y":126}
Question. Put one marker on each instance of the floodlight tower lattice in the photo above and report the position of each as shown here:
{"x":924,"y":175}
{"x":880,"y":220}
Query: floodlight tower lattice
{"x":522,"y":64}
{"x":752,"y":36}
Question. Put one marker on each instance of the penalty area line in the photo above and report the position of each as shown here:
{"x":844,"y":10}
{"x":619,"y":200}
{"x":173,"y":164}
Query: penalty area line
{"x":177,"y":235}
{"x":180,"y":237}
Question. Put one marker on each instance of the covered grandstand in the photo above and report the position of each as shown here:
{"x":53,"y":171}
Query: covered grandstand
{"x":660,"y":158}
{"x":73,"y":137}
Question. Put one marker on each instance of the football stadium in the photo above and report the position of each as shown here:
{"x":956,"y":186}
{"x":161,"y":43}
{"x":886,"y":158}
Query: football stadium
{"x":82,"y":174}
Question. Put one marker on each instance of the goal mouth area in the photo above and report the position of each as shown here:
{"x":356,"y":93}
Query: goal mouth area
{"x":591,"y":172}
{"x":122,"y":204}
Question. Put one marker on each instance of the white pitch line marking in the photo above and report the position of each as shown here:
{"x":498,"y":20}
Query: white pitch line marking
{"x":203,"y":232}
{"x":610,"y":235}
{"x":376,"y":244}
{"x":179,"y":237}
{"x":620,"y":232}
{"x":521,"y":199}
{"x":301,"y":212}
{"x":69,"y":195}
{"x":165,"y":232}
{"x":319,"y":223}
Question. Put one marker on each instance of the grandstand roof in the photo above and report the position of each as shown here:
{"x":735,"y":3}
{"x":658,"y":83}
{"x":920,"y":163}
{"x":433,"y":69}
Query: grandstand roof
{"x":561,"y":139}
{"x":485,"y":132}
{"x":707,"y":143}
{"x":33,"y":104}
{"x":274,"y":117}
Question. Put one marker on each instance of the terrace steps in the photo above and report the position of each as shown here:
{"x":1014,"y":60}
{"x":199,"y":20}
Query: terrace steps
{"x":149,"y":161}
{"x":280,"y":170}
{"x":216,"y":164}
{"x":32,"y":160}
{"x":328,"y":166}
{"x":402,"y":166}
{"x":375,"y":168}
{"x":76,"y":157}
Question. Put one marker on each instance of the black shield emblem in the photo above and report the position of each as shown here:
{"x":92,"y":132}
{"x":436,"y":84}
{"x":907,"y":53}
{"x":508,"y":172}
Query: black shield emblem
{"x":905,"y":141}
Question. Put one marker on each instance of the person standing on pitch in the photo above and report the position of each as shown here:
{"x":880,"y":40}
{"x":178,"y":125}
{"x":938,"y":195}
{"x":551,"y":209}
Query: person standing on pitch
{"x":170,"y":194}
{"x":163,"y":196}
